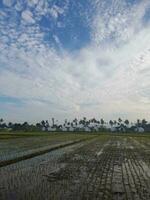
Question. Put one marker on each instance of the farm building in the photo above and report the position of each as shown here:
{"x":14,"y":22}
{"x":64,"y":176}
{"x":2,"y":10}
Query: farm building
{"x":113,"y":129}
{"x":87,"y":129}
{"x":120,"y":128}
{"x":139,"y":129}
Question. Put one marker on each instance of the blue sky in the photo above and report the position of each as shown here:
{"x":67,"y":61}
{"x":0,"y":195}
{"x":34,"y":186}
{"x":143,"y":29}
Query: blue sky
{"x":67,"y":59}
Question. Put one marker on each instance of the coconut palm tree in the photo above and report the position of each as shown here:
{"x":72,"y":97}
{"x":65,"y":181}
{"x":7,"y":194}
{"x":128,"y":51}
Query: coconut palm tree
{"x":53,"y":122}
{"x":126,"y":122}
{"x":84,"y":121}
{"x":119,"y":120}
{"x":143,"y":122}
{"x":115,"y":122}
{"x":43,"y":123}
{"x":111,"y":123}
{"x":102,"y":122}
{"x":138,"y":123}
{"x":10,"y":124}
{"x":1,"y":120}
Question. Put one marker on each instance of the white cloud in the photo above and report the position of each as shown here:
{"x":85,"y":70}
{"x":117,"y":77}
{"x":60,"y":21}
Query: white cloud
{"x":117,"y":21}
{"x":55,"y":11}
{"x":109,"y":77}
{"x":27,"y":16}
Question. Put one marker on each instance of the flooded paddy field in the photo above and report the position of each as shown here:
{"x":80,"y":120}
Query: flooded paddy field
{"x":14,"y":145}
{"x":102,"y":167}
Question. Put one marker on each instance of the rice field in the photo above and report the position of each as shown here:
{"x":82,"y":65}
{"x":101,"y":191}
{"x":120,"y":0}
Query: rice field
{"x":94,"y":167}
{"x":14,"y":146}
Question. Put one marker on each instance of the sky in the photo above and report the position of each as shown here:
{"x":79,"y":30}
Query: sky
{"x":74,"y":58}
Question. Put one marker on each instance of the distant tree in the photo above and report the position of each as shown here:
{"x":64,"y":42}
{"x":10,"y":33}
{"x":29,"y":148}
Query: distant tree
{"x":138,"y":123}
{"x":119,"y":120}
{"x":53,"y":122}
{"x":84,"y":121}
{"x":10,"y":124}
{"x":102,"y":122}
{"x":84,"y":118}
{"x":43,"y":123}
{"x":143,"y":122}
{"x":75,"y":121}
{"x":1,"y":121}
{"x":122,"y":125}
{"x":94,"y":120}
{"x":38,"y":126}
{"x":111,"y":123}
{"x":47,"y":124}
{"x":126,"y":122}
{"x":98,"y":121}
{"x":80,"y":121}
{"x":115,"y":122}
{"x":68,"y":123}
{"x":25,"y":126}
{"x":17,"y":127}
{"x":3,"y":125}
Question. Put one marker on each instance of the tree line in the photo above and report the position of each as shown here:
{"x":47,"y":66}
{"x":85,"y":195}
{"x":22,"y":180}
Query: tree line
{"x":78,"y":124}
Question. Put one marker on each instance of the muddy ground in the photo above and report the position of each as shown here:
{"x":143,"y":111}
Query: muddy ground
{"x":107,"y":167}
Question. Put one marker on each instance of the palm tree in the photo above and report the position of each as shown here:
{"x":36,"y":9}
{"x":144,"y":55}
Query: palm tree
{"x":84,"y":121}
{"x":138,"y":122}
{"x":119,"y":120}
{"x":102,"y":122}
{"x":43,"y":123}
{"x":144,"y":122}
{"x":126,"y":122}
{"x":115,"y":122}
{"x":53,"y":122}
{"x":10,"y":124}
{"x":47,"y":124}
{"x":38,"y":125}
{"x":1,"y":121}
{"x":76,"y":121}
{"x":111,"y":123}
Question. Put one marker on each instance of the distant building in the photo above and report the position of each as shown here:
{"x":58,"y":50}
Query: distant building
{"x":87,"y":129}
{"x":139,"y":129}
{"x":51,"y":129}
{"x":120,"y":128}
{"x":113,"y":129}
{"x":63,"y":128}
{"x":43,"y":128}
{"x":71,"y":129}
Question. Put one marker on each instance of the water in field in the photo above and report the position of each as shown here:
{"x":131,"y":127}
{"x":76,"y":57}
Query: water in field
{"x":109,"y":167}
